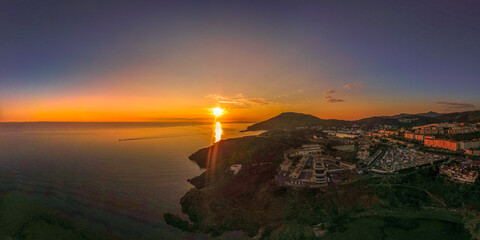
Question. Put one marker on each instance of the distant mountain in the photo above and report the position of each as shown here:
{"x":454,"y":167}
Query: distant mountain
{"x":375,"y":121}
{"x":408,"y":115}
{"x":429,"y":114}
{"x":401,"y":115}
{"x":472,"y":116}
{"x":291,"y":120}
{"x":398,"y":120}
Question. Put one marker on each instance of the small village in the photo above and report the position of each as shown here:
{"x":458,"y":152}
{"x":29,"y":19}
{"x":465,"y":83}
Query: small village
{"x":381,"y":152}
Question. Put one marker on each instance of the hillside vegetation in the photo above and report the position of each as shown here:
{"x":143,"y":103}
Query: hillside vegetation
{"x":251,"y":201}
{"x":291,"y":120}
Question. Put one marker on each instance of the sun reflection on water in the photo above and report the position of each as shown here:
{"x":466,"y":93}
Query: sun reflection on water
{"x":218,"y":131}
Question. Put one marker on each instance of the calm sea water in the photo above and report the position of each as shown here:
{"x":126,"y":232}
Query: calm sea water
{"x":83,"y":170}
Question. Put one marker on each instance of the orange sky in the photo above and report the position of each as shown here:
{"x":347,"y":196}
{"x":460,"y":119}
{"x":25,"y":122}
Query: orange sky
{"x":192,"y":108}
{"x":172,"y":62}
{"x":148,"y":93}
{"x":150,"y":90}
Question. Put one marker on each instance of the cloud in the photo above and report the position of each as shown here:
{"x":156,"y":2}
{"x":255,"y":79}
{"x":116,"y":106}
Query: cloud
{"x":329,"y":91}
{"x":330,"y":99}
{"x":353,"y":85}
{"x":457,"y":106}
{"x":240,"y":101}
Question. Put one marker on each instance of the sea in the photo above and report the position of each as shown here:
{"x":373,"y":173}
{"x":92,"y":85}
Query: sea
{"x":117,"y":177}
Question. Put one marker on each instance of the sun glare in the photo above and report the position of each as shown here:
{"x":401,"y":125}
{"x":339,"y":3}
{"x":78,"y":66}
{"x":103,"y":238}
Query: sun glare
{"x":217,"y":111}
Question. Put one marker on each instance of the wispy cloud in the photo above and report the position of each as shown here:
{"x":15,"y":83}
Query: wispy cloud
{"x":327,"y":96}
{"x":331,"y":91}
{"x":457,"y":106}
{"x":353,"y":85}
{"x":330,"y":99}
{"x":240,"y":101}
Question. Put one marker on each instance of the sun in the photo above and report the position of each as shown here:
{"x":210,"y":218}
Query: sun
{"x":217,"y":111}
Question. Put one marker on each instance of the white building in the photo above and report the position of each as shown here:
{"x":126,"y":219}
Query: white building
{"x":320,"y":172}
{"x":236,"y":168}
{"x":285,"y":166}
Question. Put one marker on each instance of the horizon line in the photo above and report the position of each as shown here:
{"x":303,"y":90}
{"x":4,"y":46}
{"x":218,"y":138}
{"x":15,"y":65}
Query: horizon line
{"x":205,"y":121}
{"x":122,"y":122}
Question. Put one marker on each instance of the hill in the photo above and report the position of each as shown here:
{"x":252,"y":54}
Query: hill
{"x":291,"y":120}
{"x":471,"y":116}
{"x":408,"y":115}
{"x":405,"y":121}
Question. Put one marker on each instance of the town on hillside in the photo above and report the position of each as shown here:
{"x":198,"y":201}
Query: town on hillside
{"x":341,"y":156}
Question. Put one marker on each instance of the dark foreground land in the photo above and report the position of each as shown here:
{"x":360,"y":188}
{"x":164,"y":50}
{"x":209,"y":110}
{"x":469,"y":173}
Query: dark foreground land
{"x":24,"y":217}
{"x":414,"y":205}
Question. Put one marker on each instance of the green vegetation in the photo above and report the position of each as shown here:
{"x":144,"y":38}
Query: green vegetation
{"x":177,"y":222}
{"x":268,"y":147}
{"x":417,"y":202}
{"x":290,"y":120}
{"x":472,"y":117}
{"x":399,"y":228}
{"x":293,"y":231}
{"x":372,"y":209}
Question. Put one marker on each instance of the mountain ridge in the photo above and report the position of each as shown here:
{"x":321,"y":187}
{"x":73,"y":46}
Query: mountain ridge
{"x":290,"y":120}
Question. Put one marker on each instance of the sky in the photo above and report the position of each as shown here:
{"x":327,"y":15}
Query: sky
{"x":173,"y":60}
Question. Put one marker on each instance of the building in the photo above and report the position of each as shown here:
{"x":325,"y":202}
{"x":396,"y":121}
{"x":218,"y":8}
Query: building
{"x":409,"y":135}
{"x":388,"y":133}
{"x":345,"y":134}
{"x":473,"y":151}
{"x":441,"y":128}
{"x":429,"y":142}
{"x":430,"y":130}
{"x":308,"y":149}
{"x":320,"y":172}
{"x":348,"y":165}
{"x":295,"y":174}
{"x":363,"y":154}
{"x":463,"y":129}
{"x":459,"y":174}
{"x":285,"y":166}
{"x":466,"y":177}
{"x":449,"y":170}
{"x":236,"y":168}
{"x":303,"y":161}
{"x":419,"y":137}
{"x":443,"y":144}
{"x":407,"y":120}
{"x":469,"y":144}
{"x":312,"y":145}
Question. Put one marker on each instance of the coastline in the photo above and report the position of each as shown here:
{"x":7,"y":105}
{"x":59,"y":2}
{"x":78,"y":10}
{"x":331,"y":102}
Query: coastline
{"x":253,"y":203}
